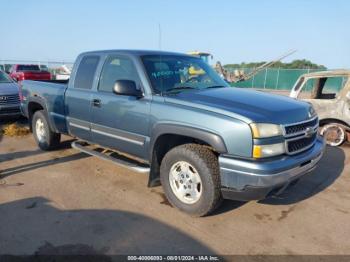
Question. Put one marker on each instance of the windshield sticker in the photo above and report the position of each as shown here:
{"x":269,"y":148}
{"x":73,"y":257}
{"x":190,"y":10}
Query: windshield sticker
{"x":164,"y":73}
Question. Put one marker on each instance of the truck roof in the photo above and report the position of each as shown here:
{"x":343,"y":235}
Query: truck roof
{"x":134,"y":52}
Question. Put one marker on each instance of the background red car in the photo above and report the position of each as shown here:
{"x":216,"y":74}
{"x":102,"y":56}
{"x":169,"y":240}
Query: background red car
{"x":28,"y":72}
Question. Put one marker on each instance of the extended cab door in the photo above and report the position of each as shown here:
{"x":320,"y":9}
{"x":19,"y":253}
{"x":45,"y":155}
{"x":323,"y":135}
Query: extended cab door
{"x":78,"y":97}
{"x":118,"y":121}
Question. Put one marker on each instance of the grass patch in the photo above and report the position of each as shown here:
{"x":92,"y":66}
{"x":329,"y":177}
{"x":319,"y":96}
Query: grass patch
{"x":14,"y":130}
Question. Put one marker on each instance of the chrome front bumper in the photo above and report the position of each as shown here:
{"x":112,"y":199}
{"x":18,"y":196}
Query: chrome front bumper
{"x":257,"y":179}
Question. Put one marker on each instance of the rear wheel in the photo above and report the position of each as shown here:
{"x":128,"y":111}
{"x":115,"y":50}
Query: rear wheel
{"x":44,"y":136}
{"x":191,"y":179}
{"x":334,"y":134}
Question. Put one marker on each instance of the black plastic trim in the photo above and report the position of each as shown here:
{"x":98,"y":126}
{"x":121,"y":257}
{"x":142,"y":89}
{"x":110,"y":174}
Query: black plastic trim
{"x":212,"y":139}
{"x":41,"y":102}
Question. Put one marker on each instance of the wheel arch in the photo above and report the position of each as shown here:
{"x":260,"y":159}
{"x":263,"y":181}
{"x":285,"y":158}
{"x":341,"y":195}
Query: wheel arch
{"x":168,"y":136}
{"x":326,"y":121}
{"x":36,"y":104}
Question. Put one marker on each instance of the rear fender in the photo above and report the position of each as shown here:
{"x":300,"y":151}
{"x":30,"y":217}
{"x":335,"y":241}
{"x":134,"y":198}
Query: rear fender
{"x":40,"y":101}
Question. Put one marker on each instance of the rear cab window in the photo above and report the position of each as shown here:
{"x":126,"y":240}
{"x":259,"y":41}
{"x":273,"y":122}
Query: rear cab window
{"x":86,"y":72}
{"x":28,"y":68}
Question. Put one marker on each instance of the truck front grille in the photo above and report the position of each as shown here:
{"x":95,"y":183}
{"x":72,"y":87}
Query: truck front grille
{"x":9,"y":99}
{"x":292,"y":129}
{"x":300,"y":136}
{"x":302,"y":144}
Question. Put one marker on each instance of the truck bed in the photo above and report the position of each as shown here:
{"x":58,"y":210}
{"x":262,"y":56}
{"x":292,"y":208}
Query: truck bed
{"x":51,"y":93}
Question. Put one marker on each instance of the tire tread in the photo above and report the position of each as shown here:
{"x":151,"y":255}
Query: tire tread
{"x":199,"y":153}
{"x":53,"y":138}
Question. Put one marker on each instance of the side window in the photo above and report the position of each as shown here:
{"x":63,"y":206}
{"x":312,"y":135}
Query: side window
{"x":86,"y":72}
{"x":334,"y":85}
{"x":326,"y":87}
{"x":116,"y":68}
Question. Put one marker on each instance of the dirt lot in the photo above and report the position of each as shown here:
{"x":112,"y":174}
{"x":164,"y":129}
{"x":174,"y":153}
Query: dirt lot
{"x":65,"y":202}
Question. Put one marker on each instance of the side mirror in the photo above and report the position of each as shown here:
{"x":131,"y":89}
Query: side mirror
{"x":127,"y":88}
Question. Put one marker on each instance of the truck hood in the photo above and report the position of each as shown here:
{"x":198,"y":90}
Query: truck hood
{"x":246,"y":105}
{"x":8,"y":89}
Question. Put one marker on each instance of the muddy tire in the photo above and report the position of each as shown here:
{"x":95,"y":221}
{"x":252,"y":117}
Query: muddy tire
{"x":334,"y":134}
{"x":43,"y":135}
{"x":190,"y":178}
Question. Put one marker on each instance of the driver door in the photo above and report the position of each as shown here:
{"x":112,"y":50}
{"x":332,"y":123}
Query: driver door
{"x":119,"y":122}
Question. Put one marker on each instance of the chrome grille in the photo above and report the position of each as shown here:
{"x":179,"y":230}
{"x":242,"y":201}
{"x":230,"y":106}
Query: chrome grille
{"x":290,"y":130}
{"x":301,"y":144}
{"x":9,"y":99}
{"x":300,"y":136}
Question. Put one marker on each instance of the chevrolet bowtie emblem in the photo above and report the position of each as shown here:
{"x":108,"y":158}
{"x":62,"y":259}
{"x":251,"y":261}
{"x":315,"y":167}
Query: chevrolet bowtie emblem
{"x":309,"y":132}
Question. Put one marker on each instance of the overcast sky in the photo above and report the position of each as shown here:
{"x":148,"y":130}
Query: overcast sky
{"x":233,"y":31}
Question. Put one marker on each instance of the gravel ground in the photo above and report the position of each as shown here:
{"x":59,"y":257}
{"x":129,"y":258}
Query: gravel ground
{"x":66,"y":202}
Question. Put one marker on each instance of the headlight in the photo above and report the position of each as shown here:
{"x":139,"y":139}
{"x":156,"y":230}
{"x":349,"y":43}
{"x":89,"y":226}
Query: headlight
{"x":260,"y":151}
{"x":261,"y":130}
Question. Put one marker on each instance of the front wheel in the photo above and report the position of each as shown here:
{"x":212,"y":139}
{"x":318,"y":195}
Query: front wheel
{"x":334,"y":134}
{"x":44,"y":136}
{"x":190,"y":177}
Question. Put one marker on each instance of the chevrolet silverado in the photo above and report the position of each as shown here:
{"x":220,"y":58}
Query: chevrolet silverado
{"x":176,"y":119}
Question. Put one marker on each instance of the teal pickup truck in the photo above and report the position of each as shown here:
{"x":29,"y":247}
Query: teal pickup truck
{"x":202,"y":140}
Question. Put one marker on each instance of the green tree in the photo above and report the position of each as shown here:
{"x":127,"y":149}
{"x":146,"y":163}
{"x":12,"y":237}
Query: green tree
{"x":295,"y":64}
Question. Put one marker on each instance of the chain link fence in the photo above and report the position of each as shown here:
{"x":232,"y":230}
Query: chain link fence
{"x":280,"y":79}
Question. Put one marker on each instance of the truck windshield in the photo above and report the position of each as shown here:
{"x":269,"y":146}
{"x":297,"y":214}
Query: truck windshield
{"x":4,"y":78}
{"x":172,"y":73}
{"x":28,"y":68}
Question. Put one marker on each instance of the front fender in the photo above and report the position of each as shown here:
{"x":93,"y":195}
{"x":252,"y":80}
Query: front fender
{"x":208,"y":137}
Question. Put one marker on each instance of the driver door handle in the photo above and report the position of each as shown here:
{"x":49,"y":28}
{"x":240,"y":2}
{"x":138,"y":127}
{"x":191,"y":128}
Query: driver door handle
{"x":96,"y":102}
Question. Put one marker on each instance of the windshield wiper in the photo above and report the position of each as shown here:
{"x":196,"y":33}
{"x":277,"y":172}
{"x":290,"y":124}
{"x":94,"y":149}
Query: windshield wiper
{"x":179,"y":88}
{"x":216,"y":86}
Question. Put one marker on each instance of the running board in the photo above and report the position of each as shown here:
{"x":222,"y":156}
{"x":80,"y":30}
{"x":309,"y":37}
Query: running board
{"x":126,"y":162}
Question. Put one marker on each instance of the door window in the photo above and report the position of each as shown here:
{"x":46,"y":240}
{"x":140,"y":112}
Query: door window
{"x":116,"y":68}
